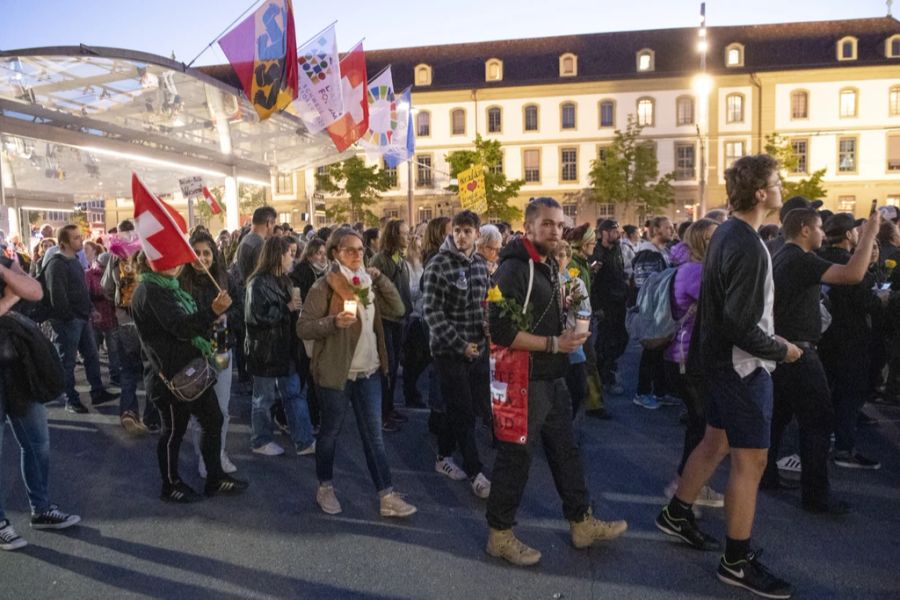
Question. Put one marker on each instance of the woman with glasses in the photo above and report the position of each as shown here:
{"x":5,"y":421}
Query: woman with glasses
{"x":343,"y":315}
{"x":488,"y":246}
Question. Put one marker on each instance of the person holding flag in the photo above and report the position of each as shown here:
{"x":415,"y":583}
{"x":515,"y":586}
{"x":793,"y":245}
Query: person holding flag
{"x":172,"y":330}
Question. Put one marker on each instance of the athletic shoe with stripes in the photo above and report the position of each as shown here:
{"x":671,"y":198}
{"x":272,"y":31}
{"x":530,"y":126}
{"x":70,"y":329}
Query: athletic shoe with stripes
{"x":226,"y":485}
{"x":179,"y":493}
{"x":750,"y":574}
{"x":53,"y":518}
{"x":9,"y":539}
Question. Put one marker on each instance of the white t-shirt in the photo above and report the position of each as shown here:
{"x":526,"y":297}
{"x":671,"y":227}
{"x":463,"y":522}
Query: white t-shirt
{"x":745,"y":363}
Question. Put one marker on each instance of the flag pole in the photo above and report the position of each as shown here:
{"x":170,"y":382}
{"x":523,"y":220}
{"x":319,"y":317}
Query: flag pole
{"x":215,"y":39}
{"x":324,"y":29}
{"x":211,"y":278}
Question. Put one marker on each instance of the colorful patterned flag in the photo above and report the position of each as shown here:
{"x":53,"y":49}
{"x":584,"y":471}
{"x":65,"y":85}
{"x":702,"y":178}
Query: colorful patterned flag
{"x":403,"y":145}
{"x":384,"y":116}
{"x":354,"y":121}
{"x":261,"y":52}
{"x":320,"y":100}
{"x":160,"y":228}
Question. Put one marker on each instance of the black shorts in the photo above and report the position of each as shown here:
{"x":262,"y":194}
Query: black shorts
{"x":740,"y":406}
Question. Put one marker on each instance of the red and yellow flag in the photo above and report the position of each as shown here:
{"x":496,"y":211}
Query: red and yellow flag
{"x":262,"y":52}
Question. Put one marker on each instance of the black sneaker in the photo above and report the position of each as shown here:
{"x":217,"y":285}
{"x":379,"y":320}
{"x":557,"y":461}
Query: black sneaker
{"x":76,"y":407}
{"x":9,"y":539}
{"x":686,"y":530}
{"x":180,"y":493}
{"x":102,"y":397}
{"x":53,"y":518}
{"x":854,"y":460}
{"x":751,"y":575}
{"x":226,"y":485}
{"x":154,"y":428}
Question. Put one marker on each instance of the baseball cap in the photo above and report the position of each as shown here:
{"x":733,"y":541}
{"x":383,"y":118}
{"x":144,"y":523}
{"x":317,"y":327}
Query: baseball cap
{"x":841,"y":223}
{"x":607,"y":225}
{"x":798,"y":202}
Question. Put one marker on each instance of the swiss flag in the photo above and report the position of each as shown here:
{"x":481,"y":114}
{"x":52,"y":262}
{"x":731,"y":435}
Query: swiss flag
{"x":355,"y":121}
{"x":161,"y":229}
{"x":211,"y":201}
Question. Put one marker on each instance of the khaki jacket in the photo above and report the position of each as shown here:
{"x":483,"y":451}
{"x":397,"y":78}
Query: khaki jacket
{"x":333,"y":347}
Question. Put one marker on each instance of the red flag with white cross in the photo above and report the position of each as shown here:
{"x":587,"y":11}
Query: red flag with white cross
{"x":161,"y":229}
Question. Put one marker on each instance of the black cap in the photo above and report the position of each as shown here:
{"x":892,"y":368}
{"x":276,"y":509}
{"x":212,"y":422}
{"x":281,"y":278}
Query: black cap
{"x":798,"y":202}
{"x":841,"y":223}
{"x":608,"y":225}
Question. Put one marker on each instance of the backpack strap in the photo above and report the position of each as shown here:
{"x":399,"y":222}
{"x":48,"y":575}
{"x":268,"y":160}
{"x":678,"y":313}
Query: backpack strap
{"x":530,"y":284}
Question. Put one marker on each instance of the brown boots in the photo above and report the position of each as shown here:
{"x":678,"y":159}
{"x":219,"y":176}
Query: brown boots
{"x":504,"y":544}
{"x":590,"y":530}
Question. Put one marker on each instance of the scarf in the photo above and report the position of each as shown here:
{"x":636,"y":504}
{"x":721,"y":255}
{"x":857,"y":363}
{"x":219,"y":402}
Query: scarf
{"x":184,"y":300}
{"x":360,"y":275}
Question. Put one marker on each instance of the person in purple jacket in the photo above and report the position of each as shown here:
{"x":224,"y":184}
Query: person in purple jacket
{"x":687,"y":256}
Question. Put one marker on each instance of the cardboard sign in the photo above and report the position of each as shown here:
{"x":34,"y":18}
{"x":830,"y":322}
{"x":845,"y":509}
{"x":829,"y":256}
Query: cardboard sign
{"x":191,"y":186}
{"x":472,"y":194}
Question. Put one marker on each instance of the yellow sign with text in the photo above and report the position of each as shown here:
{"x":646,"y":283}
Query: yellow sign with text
{"x":472,"y":194}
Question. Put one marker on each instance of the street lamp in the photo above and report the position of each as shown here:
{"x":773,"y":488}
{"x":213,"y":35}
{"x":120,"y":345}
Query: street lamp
{"x":702,"y":85}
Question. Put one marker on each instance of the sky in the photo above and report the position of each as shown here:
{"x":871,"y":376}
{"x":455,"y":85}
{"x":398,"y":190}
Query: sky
{"x":185,"y":27}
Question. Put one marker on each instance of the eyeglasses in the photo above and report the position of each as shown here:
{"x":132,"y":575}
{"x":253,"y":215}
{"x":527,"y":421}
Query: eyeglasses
{"x":354,"y":251}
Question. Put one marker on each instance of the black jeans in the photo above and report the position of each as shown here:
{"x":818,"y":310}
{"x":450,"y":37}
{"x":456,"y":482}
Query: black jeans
{"x":612,"y":339}
{"x":652,"y":373}
{"x":689,"y":390}
{"x":549,"y":423}
{"x":416,"y":358}
{"x":393,"y":342}
{"x":464,"y":386}
{"x":801,"y":390}
{"x":576,"y":383}
{"x":175,"y":416}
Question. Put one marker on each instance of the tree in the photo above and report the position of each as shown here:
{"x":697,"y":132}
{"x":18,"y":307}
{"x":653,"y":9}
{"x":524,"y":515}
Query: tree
{"x":498,"y":190}
{"x":204,"y":212}
{"x":628,"y":173}
{"x":358,"y":185}
{"x":782,"y":150}
{"x":250,"y":197}
{"x":80,"y":218}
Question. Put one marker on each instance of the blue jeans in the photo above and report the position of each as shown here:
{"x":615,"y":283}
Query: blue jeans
{"x":111,"y":338}
{"x":73,"y":337}
{"x":33,"y":437}
{"x":295,"y":408}
{"x":365,"y":396}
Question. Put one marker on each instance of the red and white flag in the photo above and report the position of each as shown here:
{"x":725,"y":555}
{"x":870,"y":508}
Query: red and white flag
{"x":161,"y":229}
{"x":211,"y":201}
{"x":355,"y":121}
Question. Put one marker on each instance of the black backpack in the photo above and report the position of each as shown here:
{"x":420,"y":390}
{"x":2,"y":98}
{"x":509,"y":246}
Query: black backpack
{"x":40,"y":310}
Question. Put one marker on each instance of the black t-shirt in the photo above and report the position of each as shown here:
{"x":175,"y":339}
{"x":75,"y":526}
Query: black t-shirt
{"x":797,"y":275}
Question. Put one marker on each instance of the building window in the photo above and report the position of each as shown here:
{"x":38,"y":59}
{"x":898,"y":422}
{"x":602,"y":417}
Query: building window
{"x":391,"y":174}
{"x":607,"y":113}
{"x":423,"y":75}
{"x":458,"y":122}
{"x":734,"y":108}
{"x":497,"y":167}
{"x":570,"y":211}
{"x":568,"y":160}
{"x":684,"y":110}
{"x":801,"y":151}
{"x":493,"y":70}
{"x":423,"y":171}
{"x":568,"y":65}
{"x":530,"y":114}
{"x":847,"y":204}
{"x":734,"y":55}
{"x":603,"y":153}
{"x":645,"y":60}
{"x":285,"y":217}
{"x":391,"y":213}
{"x":606,"y":210}
{"x":846,"y":48}
{"x":645,"y":112}
{"x":848,"y":102}
{"x":684,"y":161}
{"x":892,"y":46}
{"x":733,"y":151}
{"x":423,"y":124}
{"x":284,"y":183}
{"x":425,"y":214}
{"x":495,"y":122}
{"x":893,"y":152}
{"x":567,"y":115}
{"x":847,"y":155}
{"x":799,"y":104}
{"x":894,"y":101}
{"x":532,"y":161}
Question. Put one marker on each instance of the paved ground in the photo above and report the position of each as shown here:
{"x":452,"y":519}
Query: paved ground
{"x":273,"y":542}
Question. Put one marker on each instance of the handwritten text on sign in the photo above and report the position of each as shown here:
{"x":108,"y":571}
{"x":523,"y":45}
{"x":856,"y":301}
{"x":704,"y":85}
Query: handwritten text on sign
{"x":471,"y":189}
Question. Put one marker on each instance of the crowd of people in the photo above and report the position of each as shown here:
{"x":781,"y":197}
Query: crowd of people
{"x":763,"y":321}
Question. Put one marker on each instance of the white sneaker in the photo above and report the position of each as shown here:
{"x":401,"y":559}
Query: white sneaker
{"x":227,"y":465}
{"x":481,"y":486}
{"x":270,"y":449}
{"x":327,"y":501}
{"x":710,"y":497}
{"x":393,"y":505}
{"x":446,"y":466}
{"x":791,"y":464}
{"x":309,"y":450}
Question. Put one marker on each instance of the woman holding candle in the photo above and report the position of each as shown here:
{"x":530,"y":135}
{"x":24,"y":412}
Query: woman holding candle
{"x":578,"y":315}
{"x":343,"y":315}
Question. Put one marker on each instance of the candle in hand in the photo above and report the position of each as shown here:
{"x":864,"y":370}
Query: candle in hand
{"x":350,"y":307}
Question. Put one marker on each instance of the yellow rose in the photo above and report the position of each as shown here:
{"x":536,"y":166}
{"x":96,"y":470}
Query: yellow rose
{"x":494,"y":294}
{"x":573,"y":272}
{"x":890,"y":263}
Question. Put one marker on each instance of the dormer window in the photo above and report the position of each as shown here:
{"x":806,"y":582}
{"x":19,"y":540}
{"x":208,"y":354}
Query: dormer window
{"x":846,"y":48}
{"x":734,"y":55}
{"x":423,"y":75}
{"x":892,"y":46}
{"x":645,"y":60}
{"x":493,"y":70}
{"x":568,"y":65}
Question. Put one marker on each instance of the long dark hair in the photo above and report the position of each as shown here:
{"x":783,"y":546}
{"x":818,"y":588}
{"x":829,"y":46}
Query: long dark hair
{"x":434,"y":237}
{"x":312,"y":246}
{"x":190,"y":278}
{"x":270,"y":256}
{"x":390,"y":237}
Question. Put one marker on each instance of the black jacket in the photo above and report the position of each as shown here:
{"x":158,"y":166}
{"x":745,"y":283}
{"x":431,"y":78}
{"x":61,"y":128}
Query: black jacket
{"x":270,"y":342}
{"x":608,"y":285}
{"x":201,"y":288}
{"x":304,"y":276}
{"x":33,"y":372}
{"x":545,"y":308}
{"x":69,"y":297}
{"x":732,"y":300}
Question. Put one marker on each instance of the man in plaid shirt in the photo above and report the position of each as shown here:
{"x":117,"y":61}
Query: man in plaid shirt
{"x":454,"y":289}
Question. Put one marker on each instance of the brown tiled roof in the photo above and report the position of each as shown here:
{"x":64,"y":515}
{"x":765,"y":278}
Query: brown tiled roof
{"x":612,"y":56}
